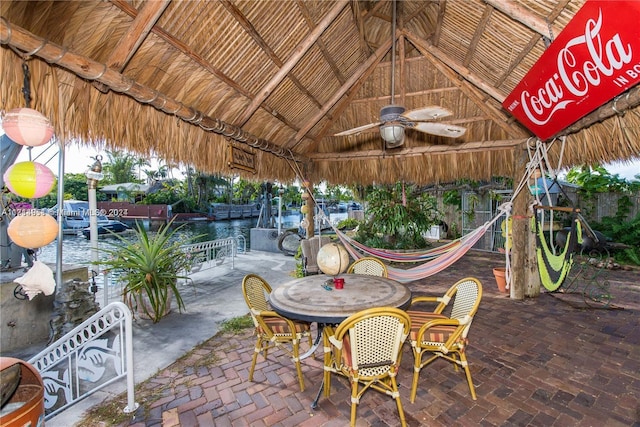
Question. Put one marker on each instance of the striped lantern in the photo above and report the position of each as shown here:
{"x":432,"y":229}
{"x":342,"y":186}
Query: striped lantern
{"x":26,"y":126}
{"x":29,"y":179}
{"x":33,"y":229}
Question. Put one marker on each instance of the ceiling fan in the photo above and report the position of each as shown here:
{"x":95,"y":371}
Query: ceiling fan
{"x":394,"y":118}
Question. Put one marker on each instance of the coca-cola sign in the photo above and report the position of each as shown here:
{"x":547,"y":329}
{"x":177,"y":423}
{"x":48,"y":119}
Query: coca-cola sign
{"x":595,"y":58}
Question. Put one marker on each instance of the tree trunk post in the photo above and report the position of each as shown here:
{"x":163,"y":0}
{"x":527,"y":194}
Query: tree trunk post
{"x":518,"y":232}
{"x":308,"y":197}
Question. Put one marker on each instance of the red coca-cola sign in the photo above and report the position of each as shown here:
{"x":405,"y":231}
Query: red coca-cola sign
{"x":595,"y":58}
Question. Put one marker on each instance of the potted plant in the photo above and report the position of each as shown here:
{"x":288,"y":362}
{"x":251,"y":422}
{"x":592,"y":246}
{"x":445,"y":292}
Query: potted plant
{"x":150,"y":266}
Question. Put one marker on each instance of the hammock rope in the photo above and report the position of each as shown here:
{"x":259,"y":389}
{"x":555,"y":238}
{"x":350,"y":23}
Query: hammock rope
{"x":394,"y":256}
{"x":554,"y":268}
{"x":436,"y":264}
{"x":435,"y":260}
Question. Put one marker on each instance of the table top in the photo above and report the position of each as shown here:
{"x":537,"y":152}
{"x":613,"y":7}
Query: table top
{"x":306,"y":299}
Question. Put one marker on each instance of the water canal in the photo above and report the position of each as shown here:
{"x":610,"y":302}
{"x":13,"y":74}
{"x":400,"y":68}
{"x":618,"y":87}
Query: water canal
{"x":76,"y":249}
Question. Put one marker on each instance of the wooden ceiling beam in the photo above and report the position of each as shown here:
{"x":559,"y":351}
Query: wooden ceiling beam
{"x":531,"y":44}
{"x":323,"y":48}
{"x":480,"y":29}
{"x":469,"y":147}
{"x":442,"y":8}
{"x":387,"y":98}
{"x":293,"y":60}
{"x":131,"y":40}
{"x":90,"y":70}
{"x":179,"y":45}
{"x":526,"y":18}
{"x":449,"y":68}
{"x":367,"y":66}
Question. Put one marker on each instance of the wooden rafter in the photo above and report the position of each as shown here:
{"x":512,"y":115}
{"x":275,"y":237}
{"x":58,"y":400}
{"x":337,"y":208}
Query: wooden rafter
{"x":482,"y":25}
{"x":469,"y":147}
{"x":91,"y":70}
{"x":520,"y":14}
{"x":442,"y":8}
{"x":350,"y":84}
{"x":530,"y":45}
{"x":136,"y":33}
{"x":134,"y":36}
{"x":285,"y":68}
{"x":323,"y":48}
{"x":452,"y":71}
{"x":127,"y":8}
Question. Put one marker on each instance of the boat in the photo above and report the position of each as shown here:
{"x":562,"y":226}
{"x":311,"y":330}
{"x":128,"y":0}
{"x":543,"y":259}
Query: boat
{"x":108,"y":227}
{"x":76,"y":219}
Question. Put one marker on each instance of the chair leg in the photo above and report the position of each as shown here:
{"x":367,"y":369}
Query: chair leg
{"x":465,"y":365}
{"x":254,"y":359}
{"x":394,"y":387}
{"x":417,"y":358}
{"x":354,"y":400}
{"x":296,"y":357}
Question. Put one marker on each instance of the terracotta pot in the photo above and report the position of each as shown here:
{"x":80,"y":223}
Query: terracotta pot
{"x":501,"y":279}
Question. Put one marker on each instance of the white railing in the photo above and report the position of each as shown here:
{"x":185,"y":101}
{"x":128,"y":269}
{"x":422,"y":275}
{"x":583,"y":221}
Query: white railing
{"x":209,"y":254}
{"x":204,"y":255}
{"x":93,"y":355}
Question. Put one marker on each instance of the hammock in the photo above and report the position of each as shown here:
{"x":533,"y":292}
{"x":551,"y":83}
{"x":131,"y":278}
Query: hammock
{"x":554,"y":268}
{"x":389,"y":255}
{"x":437,"y":259}
{"x":428,"y":268}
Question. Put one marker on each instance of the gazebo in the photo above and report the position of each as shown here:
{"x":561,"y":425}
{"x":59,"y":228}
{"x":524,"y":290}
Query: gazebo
{"x":272,"y":90}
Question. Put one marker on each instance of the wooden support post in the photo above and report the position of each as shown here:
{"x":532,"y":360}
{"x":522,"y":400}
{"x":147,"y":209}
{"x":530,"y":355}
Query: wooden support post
{"x":308,"y":196}
{"x":518,"y":228}
{"x":525,"y":279}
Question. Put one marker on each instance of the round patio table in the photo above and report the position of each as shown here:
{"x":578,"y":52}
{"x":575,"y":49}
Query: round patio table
{"x":315,"y":299}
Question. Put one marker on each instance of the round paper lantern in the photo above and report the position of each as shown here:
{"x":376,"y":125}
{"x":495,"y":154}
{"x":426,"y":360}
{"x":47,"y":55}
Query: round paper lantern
{"x":33,"y":229}
{"x":333,"y":259}
{"x":26,"y":126}
{"x":29,"y":179}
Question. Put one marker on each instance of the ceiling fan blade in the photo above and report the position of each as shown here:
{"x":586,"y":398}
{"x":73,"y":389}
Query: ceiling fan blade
{"x":357,"y":130}
{"x":427,"y":113}
{"x":440,"y":129}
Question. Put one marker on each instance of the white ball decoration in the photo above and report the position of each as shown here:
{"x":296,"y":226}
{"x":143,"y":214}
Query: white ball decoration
{"x":333,"y":259}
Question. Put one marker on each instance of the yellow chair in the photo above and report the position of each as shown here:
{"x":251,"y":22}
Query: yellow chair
{"x":368,"y":265}
{"x":272,"y":330}
{"x":442,"y":333}
{"x":366,"y":348}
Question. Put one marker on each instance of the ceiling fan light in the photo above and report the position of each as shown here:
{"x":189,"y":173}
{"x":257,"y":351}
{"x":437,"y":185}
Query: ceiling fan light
{"x":393,"y":134}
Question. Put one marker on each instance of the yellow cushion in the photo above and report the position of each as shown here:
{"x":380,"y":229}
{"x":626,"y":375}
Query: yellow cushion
{"x":280,"y":326}
{"x":434,"y":334}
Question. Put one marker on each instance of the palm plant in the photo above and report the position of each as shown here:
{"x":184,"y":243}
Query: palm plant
{"x":150,"y":266}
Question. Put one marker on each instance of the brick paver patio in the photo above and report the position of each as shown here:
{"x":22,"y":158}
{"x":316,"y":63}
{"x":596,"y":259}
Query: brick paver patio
{"x":537,"y":362}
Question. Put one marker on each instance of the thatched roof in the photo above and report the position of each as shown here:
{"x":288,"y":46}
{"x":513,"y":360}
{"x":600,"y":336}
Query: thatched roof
{"x":187,"y":79}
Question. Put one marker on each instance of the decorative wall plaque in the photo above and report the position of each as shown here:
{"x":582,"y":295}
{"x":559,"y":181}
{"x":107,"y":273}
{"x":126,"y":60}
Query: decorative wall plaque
{"x":241,"y":159}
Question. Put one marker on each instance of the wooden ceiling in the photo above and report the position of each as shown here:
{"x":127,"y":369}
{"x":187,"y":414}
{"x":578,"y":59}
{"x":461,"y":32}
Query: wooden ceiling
{"x":187,"y":80}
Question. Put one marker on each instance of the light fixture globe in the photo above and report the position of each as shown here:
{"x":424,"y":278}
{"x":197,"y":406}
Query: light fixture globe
{"x":333,"y":259}
{"x":32,"y":229}
{"x":393,"y":134}
{"x":30,"y":180}
{"x":26,"y":126}
{"x":392,"y":131}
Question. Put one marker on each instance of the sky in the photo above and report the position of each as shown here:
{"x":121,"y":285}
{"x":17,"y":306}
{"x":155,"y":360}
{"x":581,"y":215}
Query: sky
{"x":78,"y":160}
